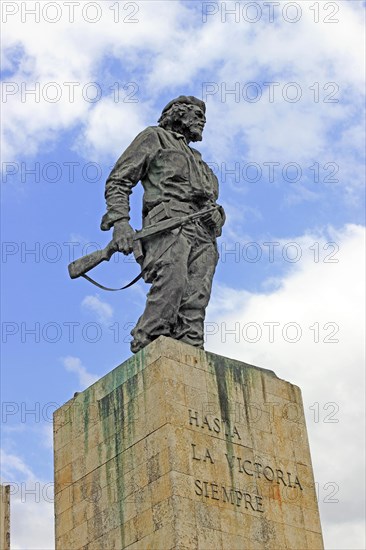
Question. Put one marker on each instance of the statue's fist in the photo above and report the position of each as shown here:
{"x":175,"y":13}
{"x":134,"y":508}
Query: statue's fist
{"x":123,"y":237}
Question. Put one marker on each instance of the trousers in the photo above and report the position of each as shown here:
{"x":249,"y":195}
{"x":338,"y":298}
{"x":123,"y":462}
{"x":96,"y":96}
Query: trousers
{"x":181,"y":281}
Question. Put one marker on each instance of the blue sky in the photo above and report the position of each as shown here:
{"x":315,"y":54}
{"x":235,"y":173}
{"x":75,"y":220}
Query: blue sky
{"x":285,"y":111}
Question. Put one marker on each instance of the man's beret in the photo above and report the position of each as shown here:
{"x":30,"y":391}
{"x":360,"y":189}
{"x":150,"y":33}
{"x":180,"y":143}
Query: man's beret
{"x":186,"y":100}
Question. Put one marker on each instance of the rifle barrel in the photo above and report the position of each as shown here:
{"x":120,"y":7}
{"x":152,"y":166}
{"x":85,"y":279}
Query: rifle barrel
{"x":169,"y":224}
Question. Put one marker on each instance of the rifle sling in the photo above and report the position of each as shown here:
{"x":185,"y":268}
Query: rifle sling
{"x":138,"y":277}
{"x":112,"y":289}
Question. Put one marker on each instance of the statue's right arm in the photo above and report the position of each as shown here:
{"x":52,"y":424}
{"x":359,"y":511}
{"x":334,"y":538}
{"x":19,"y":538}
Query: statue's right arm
{"x":127,"y":172}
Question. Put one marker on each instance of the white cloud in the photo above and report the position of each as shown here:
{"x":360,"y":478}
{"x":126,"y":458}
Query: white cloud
{"x":327,"y":372}
{"x":31,"y":505}
{"x":102,"y":309}
{"x":13,"y":466}
{"x":32,"y":522}
{"x":77,"y":54}
{"x":74,"y":364}
{"x":47,"y":435}
{"x":186,"y":54}
{"x":110,"y":128}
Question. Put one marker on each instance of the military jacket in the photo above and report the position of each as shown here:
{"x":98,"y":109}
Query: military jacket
{"x":167,"y":168}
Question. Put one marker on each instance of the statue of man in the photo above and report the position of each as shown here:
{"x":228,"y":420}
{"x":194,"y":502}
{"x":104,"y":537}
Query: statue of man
{"x":176,"y":182}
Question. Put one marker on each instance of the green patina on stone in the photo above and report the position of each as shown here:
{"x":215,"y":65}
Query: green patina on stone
{"x":231,"y":374}
{"x":86,"y":404}
{"x":123,"y":383}
{"x":244,"y":378}
{"x":222,"y":369}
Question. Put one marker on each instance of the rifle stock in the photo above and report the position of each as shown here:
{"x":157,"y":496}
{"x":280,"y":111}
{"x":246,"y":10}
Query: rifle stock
{"x":86,"y":263}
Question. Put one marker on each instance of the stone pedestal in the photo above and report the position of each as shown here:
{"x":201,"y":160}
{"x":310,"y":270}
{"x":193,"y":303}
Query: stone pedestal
{"x":180,"y":448}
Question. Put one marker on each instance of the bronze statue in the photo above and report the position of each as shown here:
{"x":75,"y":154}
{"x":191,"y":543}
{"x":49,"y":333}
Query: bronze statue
{"x":177,"y":247}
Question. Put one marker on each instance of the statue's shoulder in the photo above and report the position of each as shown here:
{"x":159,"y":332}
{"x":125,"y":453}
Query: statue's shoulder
{"x":147,"y":138}
{"x":157,"y":135}
{"x":158,"y":131}
{"x":150,"y":130}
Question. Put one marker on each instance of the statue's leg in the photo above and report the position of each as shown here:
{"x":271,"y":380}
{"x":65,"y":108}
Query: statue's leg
{"x":169,"y":279}
{"x":201,"y":268}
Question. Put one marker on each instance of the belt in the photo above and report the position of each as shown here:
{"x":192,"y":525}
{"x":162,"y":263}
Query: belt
{"x":169,"y":209}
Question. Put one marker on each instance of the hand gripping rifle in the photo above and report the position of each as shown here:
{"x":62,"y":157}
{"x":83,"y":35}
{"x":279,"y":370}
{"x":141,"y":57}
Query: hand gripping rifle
{"x":80,"y":267}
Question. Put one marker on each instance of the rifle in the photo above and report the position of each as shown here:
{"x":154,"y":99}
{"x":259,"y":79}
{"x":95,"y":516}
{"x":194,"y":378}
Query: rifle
{"x":84,"y":264}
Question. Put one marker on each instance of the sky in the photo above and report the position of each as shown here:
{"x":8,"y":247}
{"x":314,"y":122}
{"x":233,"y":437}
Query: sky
{"x":283,"y":85}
